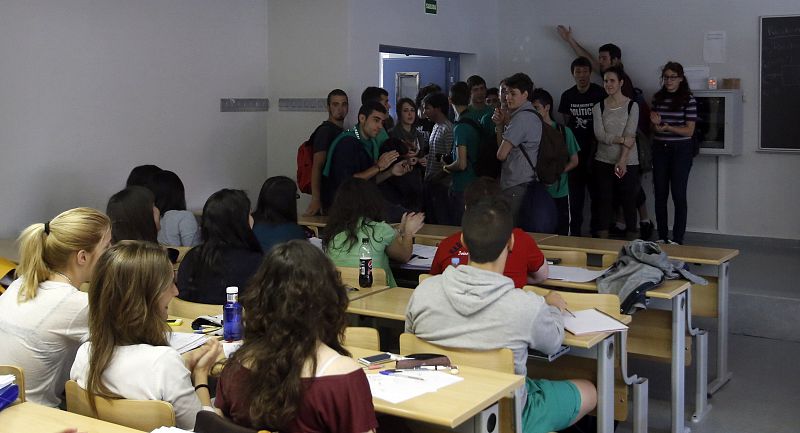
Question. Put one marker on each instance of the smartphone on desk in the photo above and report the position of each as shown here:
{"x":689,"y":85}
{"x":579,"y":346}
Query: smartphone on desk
{"x":375,"y":359}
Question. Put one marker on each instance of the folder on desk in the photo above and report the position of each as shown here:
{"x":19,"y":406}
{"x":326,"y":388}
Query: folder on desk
{"x":591,"y":320}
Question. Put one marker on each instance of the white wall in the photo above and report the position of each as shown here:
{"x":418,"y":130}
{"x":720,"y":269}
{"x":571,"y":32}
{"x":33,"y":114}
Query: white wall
{"x":90,"y":89}
{"x":759,"y":190}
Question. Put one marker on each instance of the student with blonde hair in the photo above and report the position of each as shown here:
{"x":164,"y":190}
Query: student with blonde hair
{"x":43,"y":315}
{"x":129,"y":355}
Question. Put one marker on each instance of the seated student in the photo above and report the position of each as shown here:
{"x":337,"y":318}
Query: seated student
{"x":475,"y":307}
{"x":43,"y":315}
{"x":134,"y":215}
{"x":143,"y":175}
{"x":292,"y":373}
{"x":525,"y":264}
{"x":276,"y":213}
{"x":178,"y":225}
{"x":229,"y":255}
{"x":357,"y":214}
{"x":129,"y":355}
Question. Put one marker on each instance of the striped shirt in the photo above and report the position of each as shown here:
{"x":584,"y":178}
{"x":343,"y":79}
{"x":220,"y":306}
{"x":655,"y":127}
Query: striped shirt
{"x":674,"y":118}
{"x":441,"y":143}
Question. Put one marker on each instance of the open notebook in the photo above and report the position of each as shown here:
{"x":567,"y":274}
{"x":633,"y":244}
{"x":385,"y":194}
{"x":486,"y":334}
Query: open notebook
{"x":591,"y":320}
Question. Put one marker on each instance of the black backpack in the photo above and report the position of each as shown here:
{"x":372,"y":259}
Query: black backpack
{"x":553,"y":154}
{"x":487,"y":164}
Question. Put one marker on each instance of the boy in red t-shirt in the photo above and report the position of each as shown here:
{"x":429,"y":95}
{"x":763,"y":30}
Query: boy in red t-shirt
{"x":525,"y":263}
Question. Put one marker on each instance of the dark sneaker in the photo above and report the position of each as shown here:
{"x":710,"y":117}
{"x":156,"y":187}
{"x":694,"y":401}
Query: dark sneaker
{"x":646,"y":230}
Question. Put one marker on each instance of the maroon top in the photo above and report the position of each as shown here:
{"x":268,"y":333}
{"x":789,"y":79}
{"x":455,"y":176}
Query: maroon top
{"x":331,"y":404}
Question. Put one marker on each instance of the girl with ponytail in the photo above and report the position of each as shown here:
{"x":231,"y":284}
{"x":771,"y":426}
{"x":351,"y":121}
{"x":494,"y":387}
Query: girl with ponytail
{"x":43,"y":315}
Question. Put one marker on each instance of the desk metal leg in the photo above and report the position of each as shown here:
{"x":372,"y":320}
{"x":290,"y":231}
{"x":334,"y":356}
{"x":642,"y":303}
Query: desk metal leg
{"x":723,"y":375}
{"x":678,"y":363}
{"x":605,"y":385}
{"x":640,"y":387}
{"x":701,"y":364}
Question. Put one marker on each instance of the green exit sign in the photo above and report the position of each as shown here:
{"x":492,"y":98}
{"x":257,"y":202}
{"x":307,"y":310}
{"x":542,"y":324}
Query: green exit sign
{"x":430,"y":7}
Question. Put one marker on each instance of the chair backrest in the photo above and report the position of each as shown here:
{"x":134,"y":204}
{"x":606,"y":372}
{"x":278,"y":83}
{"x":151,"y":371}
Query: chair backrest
{"x":7,"y":268}
{"x":191,"y":310}
{"x":606,"y":303}
{"x":363,"y":337}
{"x":145,"y":415}
{"x":608,"y":260}
{"x":210,"y":422}
{"x":568,"y":258}
{"x":423,"y":277}
{"x":501,"y":360}
{"x":19,"y":378}
{"x":350,"y":276}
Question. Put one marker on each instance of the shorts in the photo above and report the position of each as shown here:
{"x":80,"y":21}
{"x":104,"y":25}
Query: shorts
{"x":551,"y":405}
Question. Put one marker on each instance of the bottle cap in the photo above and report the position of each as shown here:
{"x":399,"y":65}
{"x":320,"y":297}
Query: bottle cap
{"x":232,"y":289}
{"x":455,"y":261}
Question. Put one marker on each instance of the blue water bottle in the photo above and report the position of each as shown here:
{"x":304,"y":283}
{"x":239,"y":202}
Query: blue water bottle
{"x":232,"y":316}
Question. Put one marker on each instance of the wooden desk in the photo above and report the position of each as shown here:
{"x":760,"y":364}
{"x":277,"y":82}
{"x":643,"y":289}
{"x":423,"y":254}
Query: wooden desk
{"x":452,"y":405}
{"x":388,"y":304}
{"x":717,"y":257}
{"x":30,"y":417}
{"x":360,"y":292}
{"x":313,"y":221}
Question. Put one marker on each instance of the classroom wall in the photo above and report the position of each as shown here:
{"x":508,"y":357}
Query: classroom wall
{"x":316,"y":46}
{"x":90,"y":89}
{"x":756,"y":192}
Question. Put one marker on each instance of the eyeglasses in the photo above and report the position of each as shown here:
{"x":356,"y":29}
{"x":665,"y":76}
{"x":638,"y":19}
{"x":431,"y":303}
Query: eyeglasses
{"x":670,"y":77}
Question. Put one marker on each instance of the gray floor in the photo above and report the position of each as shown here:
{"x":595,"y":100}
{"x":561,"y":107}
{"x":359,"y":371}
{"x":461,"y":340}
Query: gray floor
{"x":764,"y":394}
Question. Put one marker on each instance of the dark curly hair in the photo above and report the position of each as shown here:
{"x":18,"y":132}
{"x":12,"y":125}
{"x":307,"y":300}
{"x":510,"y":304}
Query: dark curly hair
{"x":295,"y":301}
{"x":358,"y":203}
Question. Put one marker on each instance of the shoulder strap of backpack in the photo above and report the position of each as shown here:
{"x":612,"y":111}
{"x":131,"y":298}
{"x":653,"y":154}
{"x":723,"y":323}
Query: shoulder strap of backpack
{"x":630,"y":105}
{"x":602,"y":106}
{"x":524,"y":153}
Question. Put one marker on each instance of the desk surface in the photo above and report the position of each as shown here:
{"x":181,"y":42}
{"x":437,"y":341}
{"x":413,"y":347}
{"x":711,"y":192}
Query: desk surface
{"x":360,"y":292}
{"x":691,"y":254}
{"x":30,"y":417}
{"x":452,"y":405}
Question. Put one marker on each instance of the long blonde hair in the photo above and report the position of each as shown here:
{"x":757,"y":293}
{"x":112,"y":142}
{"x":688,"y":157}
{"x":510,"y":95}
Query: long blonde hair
{"x":45,"y":248}
{"x":123,"y":305}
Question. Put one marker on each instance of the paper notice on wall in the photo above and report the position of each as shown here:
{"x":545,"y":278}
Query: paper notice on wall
{"x":714,"y":47}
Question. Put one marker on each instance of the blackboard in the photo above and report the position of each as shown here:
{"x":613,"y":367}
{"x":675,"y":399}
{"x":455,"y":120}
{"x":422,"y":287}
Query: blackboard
{"x":780,"y":83}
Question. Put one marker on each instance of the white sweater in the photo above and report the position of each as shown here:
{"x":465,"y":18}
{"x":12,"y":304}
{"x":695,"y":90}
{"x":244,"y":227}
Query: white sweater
{"x":145,"y":372}
{"x":42,"y":335}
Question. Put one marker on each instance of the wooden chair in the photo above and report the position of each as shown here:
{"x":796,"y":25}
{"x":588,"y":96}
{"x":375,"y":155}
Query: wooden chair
{"x":7,"y":267}
{"x":423,"y":277}
{"x":501,"y":360}
{"x":608,"y":260}
{"x":19,"y":379}
{"x":568,"y":258}
{"x":192,"y":310}
{"x":145,"y":415}
{"x":363,"y":337}
{"x":350,"y":276}
{"x":210,"y":422}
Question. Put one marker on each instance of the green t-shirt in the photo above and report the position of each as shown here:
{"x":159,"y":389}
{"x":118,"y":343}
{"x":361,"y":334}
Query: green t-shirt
{"x":465,"y":135}
{"x":484,"y":117}
{"x":380,"y":235}
{"x":561,"y":187}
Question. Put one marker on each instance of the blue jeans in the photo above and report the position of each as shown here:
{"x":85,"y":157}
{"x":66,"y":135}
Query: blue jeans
{"x":672,"y":162}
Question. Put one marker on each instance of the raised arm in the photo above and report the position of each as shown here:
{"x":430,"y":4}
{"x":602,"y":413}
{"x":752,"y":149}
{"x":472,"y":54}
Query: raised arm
{"x":566,"y":34}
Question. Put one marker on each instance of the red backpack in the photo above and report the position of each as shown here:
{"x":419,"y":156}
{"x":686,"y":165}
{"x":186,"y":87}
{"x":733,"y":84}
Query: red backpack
{"x":305,"y":164}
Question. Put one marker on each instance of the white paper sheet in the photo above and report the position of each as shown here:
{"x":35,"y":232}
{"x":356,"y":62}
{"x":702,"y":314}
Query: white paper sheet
{"x":396,"y":389}
{"x":426,"y":251}
{"x":573,"y":274}
{"x":6,"y":379}
{"x":184,"y":341}
{"x":714,"y":47}
{"x":591,"y":320}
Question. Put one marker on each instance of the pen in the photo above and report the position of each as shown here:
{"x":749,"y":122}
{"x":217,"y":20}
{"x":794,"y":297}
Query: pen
{"x":394,"y":373}
{"x":570,"y":312}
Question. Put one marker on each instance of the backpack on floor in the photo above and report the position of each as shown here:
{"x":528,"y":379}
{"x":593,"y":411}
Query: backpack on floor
{"x":487,"y":164}
{"x":553,"y":154}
